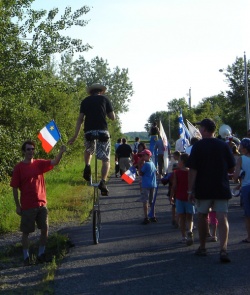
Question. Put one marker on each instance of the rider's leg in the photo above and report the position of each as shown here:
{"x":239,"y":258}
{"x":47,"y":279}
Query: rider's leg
{"x":105,"y":169}
{"x":87,"y":157}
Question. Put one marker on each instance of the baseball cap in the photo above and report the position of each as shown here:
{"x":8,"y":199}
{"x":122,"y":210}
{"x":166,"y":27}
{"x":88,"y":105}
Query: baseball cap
{"x":245,"y":143}
{"x":146,"y":152}
{"x":208,"y":124}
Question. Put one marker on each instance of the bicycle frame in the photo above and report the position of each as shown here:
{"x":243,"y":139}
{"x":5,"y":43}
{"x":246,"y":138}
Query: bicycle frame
{"x":96,"y":205}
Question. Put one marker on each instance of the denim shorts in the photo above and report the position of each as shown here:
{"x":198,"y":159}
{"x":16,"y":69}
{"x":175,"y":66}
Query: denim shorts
{"x":203,"y":206}
{"x":245,"y":197}
{"x":147,"y":195}
{"x":184,"y":207}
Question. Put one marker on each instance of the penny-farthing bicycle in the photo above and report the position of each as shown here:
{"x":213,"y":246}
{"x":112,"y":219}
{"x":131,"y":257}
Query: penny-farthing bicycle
{"x":96,"y":212}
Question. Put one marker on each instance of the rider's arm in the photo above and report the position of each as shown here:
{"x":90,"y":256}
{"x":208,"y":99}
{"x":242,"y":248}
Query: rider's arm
{"x":78,"y":127}
{"x":111,"y":116}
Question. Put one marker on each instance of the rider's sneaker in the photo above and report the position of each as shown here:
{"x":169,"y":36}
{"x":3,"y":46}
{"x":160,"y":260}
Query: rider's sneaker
{"x":87,"y":173}
{"x":102,"y":187}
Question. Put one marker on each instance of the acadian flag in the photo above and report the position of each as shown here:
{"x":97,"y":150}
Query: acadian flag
{"x":129,"y":175}
{"x":49,"y":136}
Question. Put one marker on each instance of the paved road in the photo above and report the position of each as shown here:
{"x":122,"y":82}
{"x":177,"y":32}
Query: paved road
{"x":149,"y":259}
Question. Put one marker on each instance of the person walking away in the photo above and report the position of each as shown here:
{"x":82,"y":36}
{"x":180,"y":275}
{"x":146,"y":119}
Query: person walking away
{"x":181,"y":144}
{"x":243,"y":163}
{"x":117,"y":167}
{"x":138,"y":162}
{"x":31,"y":205}
{"x":153,"y":133}
{"x":124,"y":155}
{"x":209,"y":163}
{"x":159,"y":150}
{"x":184,"y":209}
{"x":135,"y":145}
{"x":148,"y":173}
{"x":93,"y":111}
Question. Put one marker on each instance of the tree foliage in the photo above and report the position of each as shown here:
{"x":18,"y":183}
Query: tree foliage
{"x":34,"y":88}
{"x":224,"y":108}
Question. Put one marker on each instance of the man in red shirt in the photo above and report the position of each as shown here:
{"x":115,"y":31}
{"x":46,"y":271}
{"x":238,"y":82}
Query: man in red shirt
{"x":29,"y":180}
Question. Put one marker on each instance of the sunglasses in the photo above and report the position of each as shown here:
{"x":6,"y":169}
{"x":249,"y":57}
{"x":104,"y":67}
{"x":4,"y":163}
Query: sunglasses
{"x":30,"y":149}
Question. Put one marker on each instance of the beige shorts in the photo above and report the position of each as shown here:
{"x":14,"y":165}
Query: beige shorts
{"x":31,"y":217}
{"x":125,"y":164}
{"x":217,"y":205}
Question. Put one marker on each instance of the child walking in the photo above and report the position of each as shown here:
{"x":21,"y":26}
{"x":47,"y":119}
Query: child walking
{"x":184,"y":209}
{"x":148,"y":173}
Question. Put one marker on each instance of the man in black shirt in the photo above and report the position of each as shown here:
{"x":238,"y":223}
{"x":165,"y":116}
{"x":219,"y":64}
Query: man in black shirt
{"x":93,"y":111}
{"x":210,"y":162}
{"x":124,"y":155}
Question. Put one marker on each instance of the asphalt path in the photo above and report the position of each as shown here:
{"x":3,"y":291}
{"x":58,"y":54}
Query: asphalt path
{"x":132,"y":258}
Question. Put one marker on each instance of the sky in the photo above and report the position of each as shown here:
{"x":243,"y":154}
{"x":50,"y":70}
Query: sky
{"x":168,"y":46}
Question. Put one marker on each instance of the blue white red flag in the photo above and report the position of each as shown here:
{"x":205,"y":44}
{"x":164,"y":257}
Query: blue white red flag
{"x":130,"y":175}
{"x":183,"y":132}
{"x":49,"y":136}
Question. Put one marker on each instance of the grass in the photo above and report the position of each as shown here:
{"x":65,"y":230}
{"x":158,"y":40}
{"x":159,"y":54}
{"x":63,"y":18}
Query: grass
{"x":69,"y":197}
{"x":11,"y":257}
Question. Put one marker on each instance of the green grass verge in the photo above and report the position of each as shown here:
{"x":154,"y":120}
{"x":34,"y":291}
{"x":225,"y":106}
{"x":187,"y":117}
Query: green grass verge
{"x":69,"y":197}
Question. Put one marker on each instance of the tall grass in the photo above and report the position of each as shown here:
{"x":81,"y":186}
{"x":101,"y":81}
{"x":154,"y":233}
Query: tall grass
{"x":69,"y":197}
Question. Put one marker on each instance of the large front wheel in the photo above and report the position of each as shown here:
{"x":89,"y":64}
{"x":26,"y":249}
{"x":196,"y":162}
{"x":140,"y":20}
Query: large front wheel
{"x":96,"y":226}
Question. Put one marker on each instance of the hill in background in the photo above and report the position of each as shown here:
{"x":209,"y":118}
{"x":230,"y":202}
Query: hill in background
{"x":131,"y":135}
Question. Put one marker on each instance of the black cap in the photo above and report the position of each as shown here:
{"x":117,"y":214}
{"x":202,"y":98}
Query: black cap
{"x":208,"y":124}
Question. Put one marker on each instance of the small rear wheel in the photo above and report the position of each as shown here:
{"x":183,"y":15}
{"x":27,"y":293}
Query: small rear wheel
{"x":96,"y":226}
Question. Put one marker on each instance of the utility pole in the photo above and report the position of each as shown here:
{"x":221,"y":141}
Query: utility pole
{"x":189,"y":101}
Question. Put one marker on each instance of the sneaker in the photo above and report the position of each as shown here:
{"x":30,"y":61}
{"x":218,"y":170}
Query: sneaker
{"x":146,"y":221}
{"x":184,"y":240}
{"x":175,"y":224}
{"x":201,"y":252}
{"x":224,"y":256}
{"x":190,"y":238}
{"x":153,"y":219}
{"x":26,"y":261}
{"x":103,"y":188}
{"x":41,"y":258}
{"x":87,"y":173}
{"x":214,"y":239}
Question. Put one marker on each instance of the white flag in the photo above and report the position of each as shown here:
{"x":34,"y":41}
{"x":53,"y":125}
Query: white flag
{"x":165,"y":143}
{"x":163,"y":136}
{"x":194,"y":132}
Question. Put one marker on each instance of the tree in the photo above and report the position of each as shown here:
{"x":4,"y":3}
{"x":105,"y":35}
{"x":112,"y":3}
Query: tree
{"x":29,"y":90}
{"x":236,"y":112}
{"x":119,"y":88}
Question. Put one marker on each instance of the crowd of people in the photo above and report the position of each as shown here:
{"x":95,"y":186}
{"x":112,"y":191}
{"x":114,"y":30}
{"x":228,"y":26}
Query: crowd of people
{"x":198,"y":183}
{"x":198,"y":180}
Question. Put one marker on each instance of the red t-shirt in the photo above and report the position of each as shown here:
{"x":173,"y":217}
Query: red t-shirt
{"x":182,"y":184}
{"x":28,"y":178}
